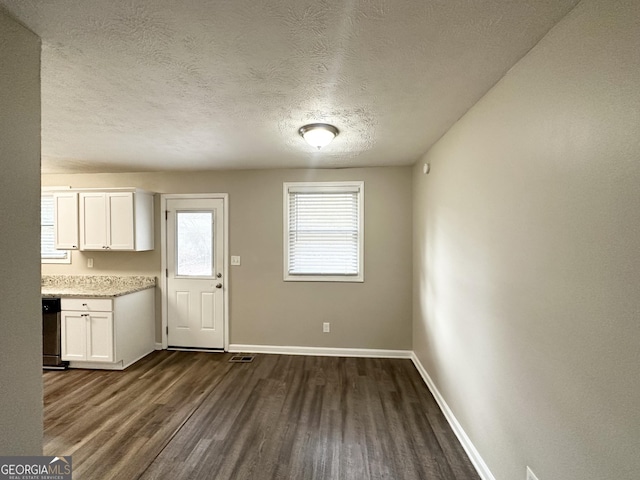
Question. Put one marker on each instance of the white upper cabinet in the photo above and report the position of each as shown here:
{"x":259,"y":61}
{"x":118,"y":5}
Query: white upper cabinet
{"x":93,"y":221}
{"x":65,"y":207}
{"x":118,"y":220}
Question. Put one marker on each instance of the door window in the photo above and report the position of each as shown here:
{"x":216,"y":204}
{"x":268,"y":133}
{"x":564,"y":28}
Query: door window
{"x":194,"y":244}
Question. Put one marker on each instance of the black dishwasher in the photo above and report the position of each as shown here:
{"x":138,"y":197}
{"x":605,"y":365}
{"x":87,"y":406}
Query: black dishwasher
{"x":51,"y":350}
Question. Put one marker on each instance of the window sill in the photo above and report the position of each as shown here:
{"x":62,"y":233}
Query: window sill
{"x":57,"y":260}
{"x":325,"y":278}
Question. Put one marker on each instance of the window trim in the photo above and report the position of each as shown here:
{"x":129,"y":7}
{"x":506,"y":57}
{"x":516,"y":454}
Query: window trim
{"x":43,"y":259}
{"x":318,"y":187}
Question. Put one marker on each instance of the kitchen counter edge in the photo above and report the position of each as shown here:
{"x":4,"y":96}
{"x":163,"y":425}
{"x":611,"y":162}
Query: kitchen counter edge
{"x":80,"y":292}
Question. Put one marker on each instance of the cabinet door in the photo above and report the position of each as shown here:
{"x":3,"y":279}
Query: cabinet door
{"x":74,"y":336}
{"x":65,"y":206}
{"x":100,"y":337}
{"x":93,"y":221}
{"x":120,"y":221}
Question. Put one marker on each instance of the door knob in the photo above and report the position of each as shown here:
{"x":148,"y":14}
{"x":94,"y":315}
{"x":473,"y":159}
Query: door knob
{"x":219,"y":275}
{"x":219,"y":285}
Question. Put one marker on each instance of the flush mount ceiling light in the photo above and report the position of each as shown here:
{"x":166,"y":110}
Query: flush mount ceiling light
{"x":318,"y":134}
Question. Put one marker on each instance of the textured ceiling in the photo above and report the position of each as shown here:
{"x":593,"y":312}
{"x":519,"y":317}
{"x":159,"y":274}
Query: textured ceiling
{"x":139,"y":85}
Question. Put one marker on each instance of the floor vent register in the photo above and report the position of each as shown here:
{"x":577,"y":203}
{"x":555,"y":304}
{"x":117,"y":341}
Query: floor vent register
{"x":242,"y":359}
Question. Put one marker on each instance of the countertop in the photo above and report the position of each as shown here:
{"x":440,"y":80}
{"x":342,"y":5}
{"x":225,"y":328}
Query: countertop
{"x":98,"y":286}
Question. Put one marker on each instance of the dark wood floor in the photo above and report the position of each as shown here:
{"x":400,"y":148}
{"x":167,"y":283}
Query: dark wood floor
{"x":187,"y":415}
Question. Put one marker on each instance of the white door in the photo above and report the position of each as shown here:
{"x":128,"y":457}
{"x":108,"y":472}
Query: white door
{"x":74,"y":336}
{"x":120,"y":221}
{"x":195,"y":268}
{"x":93,"y":221}
{"x":66,"y":220}
{"x":100,"y":336}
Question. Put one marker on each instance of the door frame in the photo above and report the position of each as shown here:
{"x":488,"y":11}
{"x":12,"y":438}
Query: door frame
{"x":163,"y":249}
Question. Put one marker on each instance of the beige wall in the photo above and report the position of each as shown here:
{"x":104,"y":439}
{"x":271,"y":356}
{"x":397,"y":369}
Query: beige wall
{"x":20,"y":314}
{"x":265,"y":310}
{"x":527,"y":257}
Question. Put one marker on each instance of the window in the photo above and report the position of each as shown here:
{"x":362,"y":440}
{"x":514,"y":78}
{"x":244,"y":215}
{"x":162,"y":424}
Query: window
{"x":323,"y":231}
{"x":194,"y":244}
{"x":48,"y":252}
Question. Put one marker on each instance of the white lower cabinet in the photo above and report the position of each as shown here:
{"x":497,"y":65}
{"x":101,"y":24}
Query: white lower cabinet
{"x":87,"y":336}
{"x":108,"y":333}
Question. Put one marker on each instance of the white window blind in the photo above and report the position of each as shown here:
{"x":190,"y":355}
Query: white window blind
{"x":323,"y":231}
{"x":47,"y":234}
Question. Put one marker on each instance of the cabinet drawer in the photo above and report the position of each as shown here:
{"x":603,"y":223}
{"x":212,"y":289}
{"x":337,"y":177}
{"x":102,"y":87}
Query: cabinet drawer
{"x":87,"y":304}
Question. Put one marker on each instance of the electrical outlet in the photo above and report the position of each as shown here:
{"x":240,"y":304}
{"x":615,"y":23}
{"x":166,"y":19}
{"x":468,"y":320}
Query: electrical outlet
{"x":530,"y":475}
{"x":326,"y":327}
{"x":89,"y":262}
{"x":235,"y":260}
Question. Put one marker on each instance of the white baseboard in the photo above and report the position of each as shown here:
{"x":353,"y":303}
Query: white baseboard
{"x":159,"y":346}
{"x":97,"y":365}
{"x":465,"y":441}
{"x":320,"y":351}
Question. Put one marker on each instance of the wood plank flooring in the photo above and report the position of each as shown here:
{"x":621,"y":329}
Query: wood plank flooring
{"x":189,"y":415}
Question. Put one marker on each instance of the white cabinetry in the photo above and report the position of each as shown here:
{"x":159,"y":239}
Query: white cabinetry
{"x":93,"y":221}
{"x":119,"y":220}
{"x":87,"y":330}
{"x":65,"y":208}
{"x":108,"y":333}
